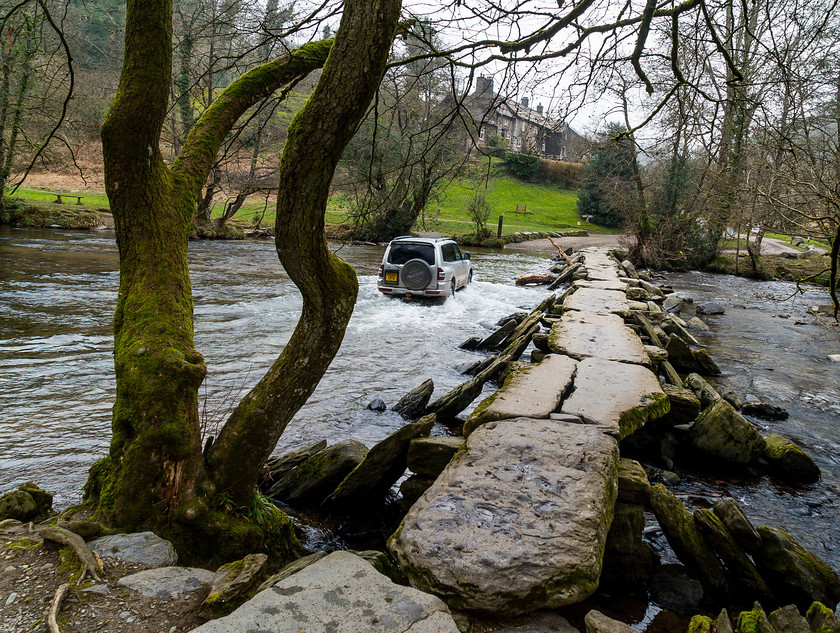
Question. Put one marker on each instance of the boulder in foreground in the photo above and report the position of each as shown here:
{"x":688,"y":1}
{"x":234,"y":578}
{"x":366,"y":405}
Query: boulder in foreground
{"x":341,"y":593}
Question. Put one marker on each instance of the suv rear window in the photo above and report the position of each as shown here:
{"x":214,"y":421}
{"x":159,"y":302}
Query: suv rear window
{"x":402,"y":252}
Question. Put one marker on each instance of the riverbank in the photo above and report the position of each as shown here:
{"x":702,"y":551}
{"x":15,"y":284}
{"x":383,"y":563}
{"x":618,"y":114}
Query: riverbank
{"x":483,"y":411}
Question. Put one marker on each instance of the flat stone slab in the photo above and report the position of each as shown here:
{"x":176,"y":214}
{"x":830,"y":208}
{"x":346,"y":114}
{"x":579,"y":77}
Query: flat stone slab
{"x":615,"y":395}
{"x":341,"y":593}
{"x":533,"y":392}
{"x":516,"y":522}
{"x":596,"y":300}
{"x":587,"y":334}
{"x":142,"y":548}
{"x":599,"y":265}
{"x":618,"y":286}
{"x":168,"y":583}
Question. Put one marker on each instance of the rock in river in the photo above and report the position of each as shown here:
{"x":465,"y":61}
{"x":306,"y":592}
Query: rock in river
{"x":381,"y":467}
{"x":517,"y":521}
{"x":722,"y":432}
{"x":789,"y":461}
{"x":318,"y":476}
{"x":412,"y":404}
{"x":794,"y":572}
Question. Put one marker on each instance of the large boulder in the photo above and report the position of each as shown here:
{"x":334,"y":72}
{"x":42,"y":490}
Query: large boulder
{"x":710,"y":307}
{"x":340,"y":593}
{"x":789,"y":620}
{"x":789,"y":461}
{"x":688,"y":544}
{"x":681,"y":356}
{"x":383,"y":465}
{"x":721,"y":432}
{"x":141,"y":548}
{"x":794,"y":572}
{"x":518,"y":520}
{"x":412,"y":404}
{"x":821,"y":619}
{"x":319,"y":475}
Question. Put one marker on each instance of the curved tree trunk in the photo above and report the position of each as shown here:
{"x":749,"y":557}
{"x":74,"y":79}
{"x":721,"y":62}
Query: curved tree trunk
{"x":155,"y":474}
{"x":317,"y":137}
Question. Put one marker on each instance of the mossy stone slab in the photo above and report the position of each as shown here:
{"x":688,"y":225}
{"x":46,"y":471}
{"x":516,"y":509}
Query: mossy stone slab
{"x":619,"y":396}
{"x":532,"y":391}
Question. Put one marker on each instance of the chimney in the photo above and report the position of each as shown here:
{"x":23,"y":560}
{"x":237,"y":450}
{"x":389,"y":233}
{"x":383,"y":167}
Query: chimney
{"x":524,"y":102}
{"x":484,"y":85}
{"x":540,"y":109}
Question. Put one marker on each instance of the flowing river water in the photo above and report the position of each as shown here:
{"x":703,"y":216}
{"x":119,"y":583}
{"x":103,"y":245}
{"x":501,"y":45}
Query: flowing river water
{"x":57,"y":295}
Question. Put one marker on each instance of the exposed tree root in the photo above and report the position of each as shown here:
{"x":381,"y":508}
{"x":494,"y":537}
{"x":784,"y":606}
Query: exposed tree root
{"x":92,"y":565}
{"x":52,"y":619}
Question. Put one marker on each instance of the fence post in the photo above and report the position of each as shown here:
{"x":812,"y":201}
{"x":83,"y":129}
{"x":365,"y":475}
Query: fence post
{"x":501,"y":222}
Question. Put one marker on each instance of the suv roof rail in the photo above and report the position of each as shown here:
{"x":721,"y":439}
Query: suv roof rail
{"x":403,"y":237}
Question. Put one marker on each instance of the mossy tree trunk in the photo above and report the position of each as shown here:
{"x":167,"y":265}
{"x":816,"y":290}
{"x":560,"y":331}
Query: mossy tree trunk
{"x":316,"y":139}
{"x":156,"y":476}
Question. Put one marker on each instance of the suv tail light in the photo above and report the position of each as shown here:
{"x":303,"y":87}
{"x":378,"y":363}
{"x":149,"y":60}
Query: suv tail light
{"x":441,"y":275}
{"x":381,"y":270}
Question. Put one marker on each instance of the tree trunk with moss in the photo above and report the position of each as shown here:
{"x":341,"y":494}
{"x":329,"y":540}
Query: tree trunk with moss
{"x":156,"y":475}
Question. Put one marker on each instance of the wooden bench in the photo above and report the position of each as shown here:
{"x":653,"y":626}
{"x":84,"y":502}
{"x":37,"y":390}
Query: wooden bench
{"x":58,"y":197}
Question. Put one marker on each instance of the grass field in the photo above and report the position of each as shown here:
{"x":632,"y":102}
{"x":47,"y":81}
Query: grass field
{"x":547,"y":208}
{"x":91,"y":200}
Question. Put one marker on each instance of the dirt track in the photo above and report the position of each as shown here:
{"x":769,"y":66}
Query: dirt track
{"x":577,"y":243}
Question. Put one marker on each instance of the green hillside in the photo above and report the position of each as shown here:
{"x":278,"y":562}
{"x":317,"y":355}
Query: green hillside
{"x":547,"y":208}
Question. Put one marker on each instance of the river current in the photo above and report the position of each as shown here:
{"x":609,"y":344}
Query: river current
{"x":58,"y":291}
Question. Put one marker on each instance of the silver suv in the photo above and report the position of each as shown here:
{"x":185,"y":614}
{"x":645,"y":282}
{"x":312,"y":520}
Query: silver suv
{"x":424,"y":267}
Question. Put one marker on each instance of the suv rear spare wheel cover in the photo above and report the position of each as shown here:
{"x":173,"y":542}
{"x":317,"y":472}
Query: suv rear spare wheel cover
{"x":416,"y":274}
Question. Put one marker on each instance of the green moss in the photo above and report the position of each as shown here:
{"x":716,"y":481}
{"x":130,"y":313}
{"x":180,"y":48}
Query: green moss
{"x":754,"y":621}
{"x":655,"y":406}
{"x":821,"y":619}
{"x":701,"y":624}
{"x":69,"y":565}
{"x":22,"y":545}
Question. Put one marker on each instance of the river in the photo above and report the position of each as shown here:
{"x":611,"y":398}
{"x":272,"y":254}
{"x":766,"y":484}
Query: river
{"x":57,"y":295}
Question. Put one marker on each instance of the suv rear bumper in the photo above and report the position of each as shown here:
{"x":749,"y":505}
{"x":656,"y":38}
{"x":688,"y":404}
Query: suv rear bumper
{"x":415,"y":293}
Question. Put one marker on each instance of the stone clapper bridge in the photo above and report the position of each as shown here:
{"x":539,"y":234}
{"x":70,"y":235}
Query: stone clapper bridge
{"x":518,"y":520}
